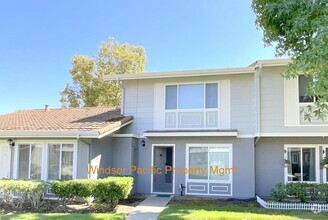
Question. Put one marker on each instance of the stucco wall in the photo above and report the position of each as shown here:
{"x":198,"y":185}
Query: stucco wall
{"x":243,"y":159}
{"x":269,"y":161}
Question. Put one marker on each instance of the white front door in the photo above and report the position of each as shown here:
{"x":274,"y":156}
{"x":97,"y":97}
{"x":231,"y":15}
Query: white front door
{"x":4,"y":161}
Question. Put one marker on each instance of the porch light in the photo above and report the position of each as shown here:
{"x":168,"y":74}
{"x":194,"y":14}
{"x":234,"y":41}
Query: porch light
{"x":143,"y":142}
{"x":11,"y":142}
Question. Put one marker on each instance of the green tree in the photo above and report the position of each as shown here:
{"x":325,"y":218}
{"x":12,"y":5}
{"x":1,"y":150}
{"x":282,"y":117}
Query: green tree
{"x":88,"y":88}
{"x":299,"y":29}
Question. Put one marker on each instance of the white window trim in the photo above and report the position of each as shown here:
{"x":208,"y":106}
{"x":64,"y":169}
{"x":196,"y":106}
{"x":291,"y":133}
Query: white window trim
{"x":203,"y":110}
{"x":317,"y":158}
{"x":152,"y":165}
{"x":60,"y":158}
{"x":208,"y":181}
{"x":44,"y":146}
{"x":324,"y":170}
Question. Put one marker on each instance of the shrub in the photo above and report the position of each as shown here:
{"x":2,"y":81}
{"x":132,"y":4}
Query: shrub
{"x":108,"y":190}
{"x":24,"y":191}
{"x":111,"y":189}
{"x":279,"y":192}
{"x":298,"y":190}
{"x":66,"y":190}
{"x":313,"y":191}
{"x":323,"y":192}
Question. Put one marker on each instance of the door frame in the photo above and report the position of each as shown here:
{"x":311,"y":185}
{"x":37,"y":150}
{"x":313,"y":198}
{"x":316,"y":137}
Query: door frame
{"x":152,"y":165}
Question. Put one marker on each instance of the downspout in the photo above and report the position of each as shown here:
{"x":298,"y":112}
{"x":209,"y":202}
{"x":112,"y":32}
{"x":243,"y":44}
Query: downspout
{"x":120,"y":84}
{"x":258,"y":68}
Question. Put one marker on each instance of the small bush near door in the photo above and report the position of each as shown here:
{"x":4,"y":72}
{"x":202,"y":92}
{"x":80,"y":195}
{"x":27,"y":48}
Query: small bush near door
{"x":301,"y":191}
{"x":109,"y":190}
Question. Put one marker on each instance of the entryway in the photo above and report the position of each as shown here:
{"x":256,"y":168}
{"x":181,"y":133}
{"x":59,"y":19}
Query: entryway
{"x":162,"y":158}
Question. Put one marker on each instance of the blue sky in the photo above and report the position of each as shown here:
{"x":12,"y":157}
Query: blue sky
{"x":39,"y":38}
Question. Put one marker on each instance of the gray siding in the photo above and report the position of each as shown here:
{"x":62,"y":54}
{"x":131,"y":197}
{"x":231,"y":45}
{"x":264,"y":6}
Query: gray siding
{"x":272,"y":105}
{"x":243,"y":158}
{"x":102,"y":149}
{"x":270,"y":161}
{"x":139,"y":101}
{"x":82,"y":159}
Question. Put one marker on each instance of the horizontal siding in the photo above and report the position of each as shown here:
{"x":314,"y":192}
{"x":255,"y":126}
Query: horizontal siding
{"x":139,"y":101}
{"x":272,"y":105}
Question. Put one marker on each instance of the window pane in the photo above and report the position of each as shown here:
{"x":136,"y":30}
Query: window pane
{"x":219,"y":160}
{"x":303,"y":83}
{"x":23,"y":161}
{"x":308,"y":164}
{"x":294,"y":168}
{"x":36,"y":162}
{"x":191,"y":96}
{"x":53,"y":161}
{"x":171,"y":97}
{"x":198,"y":160}
{"x":212,"y":95}
{"x":67,"y":162}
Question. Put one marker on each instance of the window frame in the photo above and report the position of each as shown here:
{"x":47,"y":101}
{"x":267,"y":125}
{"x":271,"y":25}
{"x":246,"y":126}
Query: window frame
{"x":204,"y":101}
{"x":60,"y":159}
{"x":203,"y":110}
{"x":45,"y":156}
{"x":29,"y":159}
{"x":298,"y":94}
{"x":324,"y":169}
{"x":208,"y":180}
{"x":317,"y":162}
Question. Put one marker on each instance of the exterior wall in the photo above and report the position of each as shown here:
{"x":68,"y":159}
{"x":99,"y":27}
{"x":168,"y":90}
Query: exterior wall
{"x":101,"y":155}
{"x":139,"y":101}
{"x":269,"y":154}
{"x":273,"y":109}
{"x":114,"y":153}
{"x":243,"y":183}
{"x":5,"y":159}
{"x":83,"y":150}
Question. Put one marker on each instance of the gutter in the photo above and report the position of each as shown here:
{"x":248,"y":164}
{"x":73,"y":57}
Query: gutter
{"x":258,"y":68}
{"x":59,"y":134}
{"x":119,"y":82}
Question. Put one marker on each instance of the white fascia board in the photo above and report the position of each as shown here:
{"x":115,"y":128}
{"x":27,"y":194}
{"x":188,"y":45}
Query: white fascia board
{"x":293,"y":135}
{"x":125,"y":136}
{"x":58,"y":134}
{"x":175,"y":74}
{"x":274,"y":62}
{"x":190,"y":134}
{"x":46,"y":134}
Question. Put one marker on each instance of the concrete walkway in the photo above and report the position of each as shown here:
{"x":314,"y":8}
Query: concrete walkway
{"x":150,"y":208}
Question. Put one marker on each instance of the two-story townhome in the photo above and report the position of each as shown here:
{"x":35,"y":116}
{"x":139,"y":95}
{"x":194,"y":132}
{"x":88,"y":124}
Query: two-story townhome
{"x":219,"y":132}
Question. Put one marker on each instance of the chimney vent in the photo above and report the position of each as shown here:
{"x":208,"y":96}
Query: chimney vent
{"x":46,"y":108}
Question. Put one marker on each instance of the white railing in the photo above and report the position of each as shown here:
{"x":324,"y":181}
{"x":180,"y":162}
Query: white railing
{"x":315,"y":207}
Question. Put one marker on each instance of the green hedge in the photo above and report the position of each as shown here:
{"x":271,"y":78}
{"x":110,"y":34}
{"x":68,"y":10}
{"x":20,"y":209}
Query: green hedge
{"x":108,"y":190}
{"x":18,"y":192}
{"x":302,"y":191}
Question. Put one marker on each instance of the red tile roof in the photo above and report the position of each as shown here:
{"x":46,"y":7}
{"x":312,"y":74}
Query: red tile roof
{"x":98,"y":119}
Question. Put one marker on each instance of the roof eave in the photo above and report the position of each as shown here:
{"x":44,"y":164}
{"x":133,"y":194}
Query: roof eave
{"x":176,"y":74}
{"x":59,"y":134}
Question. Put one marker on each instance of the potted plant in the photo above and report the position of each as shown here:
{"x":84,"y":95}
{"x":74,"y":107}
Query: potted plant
{"x":286,"y":162}
{"x":324,"y":163}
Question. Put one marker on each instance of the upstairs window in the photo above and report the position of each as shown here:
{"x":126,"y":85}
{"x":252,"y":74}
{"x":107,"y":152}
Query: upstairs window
{"x":303,"y":84}
{"x":191,"y":96}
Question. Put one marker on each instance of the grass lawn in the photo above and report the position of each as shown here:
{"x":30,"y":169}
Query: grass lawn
{"x":59,"y":216}
{"x":200,"y":209}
